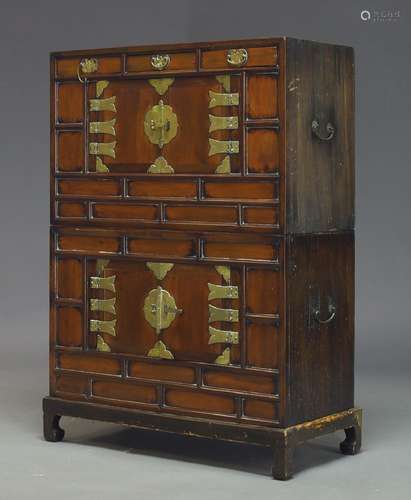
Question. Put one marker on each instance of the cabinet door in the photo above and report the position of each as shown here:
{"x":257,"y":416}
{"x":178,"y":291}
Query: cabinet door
{"x":165,"y":125}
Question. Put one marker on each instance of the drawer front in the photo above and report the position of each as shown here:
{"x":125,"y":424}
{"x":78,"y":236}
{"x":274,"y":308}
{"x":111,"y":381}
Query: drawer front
{"x":162,"y":62}
{"x":128,"y":302}
{"x":176,"y":151}
{"x":239,"y":57}
{"x":74,"y":67}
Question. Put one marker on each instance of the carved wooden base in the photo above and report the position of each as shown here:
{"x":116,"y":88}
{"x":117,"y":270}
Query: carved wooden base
{"x":282,"y":440}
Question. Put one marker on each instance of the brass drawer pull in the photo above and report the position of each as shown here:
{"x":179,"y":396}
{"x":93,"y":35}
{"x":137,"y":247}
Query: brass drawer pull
{"x":332,"y":311}
{"x":160,"y":61}
{"x":315,"y":127}
{"x":86,"y":66}
{"x":237,"y":57}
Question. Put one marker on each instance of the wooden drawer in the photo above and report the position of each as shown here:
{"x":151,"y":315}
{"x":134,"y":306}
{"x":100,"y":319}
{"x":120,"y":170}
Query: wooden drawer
{"x":68,"y":67}
{"x":161,"y":62}
{"x":239,"y":57}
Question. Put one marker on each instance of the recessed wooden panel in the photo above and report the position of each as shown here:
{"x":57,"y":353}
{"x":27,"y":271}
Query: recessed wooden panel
{"x":261,"y":215}
{"x":69,"y":327}
{"x":162,"y":372}
{"x":70,"y":152}
{"x":262,"y":345}
{"x":159,"y":248}
{"x":71,"y":210}
{"x":125,"y":212}
{"x":263,"y":291}
{"x":89,"y":187}
{"x":70,"y":279}
{"x":257,"y":56}
{"x":202,"y":214}
{"x":92,"y":364}
{"x":162,"y":189}
{"x":262,"y":96}
{"x":240,"y":190}
{"x":72,"y":385}
{"x":240,"y":382}
{"x":67,"y":67}
{"x":263,"y":150}
{"x":125,"y":391}
{"x":251,"y":251}
{"x":93,"y":244}
{"x":261,"y":409}
{"x":200,"y":401}
{"x":70,"y":103}
{"x":178,"y":62}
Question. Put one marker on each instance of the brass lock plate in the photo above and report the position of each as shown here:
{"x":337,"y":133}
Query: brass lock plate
{"x":160,"y":309}
{"x":160,"y":124}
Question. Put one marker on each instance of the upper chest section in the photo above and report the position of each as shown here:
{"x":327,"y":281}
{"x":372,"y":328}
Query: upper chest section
{"x":177,"y":137}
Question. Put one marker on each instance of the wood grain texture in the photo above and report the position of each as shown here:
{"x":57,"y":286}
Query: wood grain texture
{"x":320,"y":174}
{"x":321,"y":356}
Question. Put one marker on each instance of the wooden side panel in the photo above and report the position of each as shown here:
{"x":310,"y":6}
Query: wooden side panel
{"x":320,"y":174}
{"x":320,"y":379}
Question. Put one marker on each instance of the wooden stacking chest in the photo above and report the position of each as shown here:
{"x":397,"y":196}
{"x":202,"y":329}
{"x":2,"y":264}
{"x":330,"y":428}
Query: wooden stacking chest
{"x":202,"y":241}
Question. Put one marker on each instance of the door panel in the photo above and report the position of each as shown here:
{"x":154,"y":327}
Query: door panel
{"x":120,"y":307}
{"x":131,"y":102}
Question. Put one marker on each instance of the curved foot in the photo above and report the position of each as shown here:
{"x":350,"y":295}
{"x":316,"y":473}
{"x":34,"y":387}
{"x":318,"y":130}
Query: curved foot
{"x":352,"y":442}
{"x":283,"y":462}
{"x":51,"y":428}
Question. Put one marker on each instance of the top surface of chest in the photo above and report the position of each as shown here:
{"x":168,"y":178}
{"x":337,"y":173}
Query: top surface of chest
{"x":186,"y":136}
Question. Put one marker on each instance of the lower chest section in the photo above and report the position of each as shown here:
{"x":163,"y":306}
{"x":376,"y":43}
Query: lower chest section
{"x":175,"y":325}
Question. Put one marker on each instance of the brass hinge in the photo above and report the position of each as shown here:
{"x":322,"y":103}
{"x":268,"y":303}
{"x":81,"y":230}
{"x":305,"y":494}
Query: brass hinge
{"x":223,"y":99}
{"x":222,"y":336}
{"x":103,"y":127}
{"x":100,"y":326}
{"x":103,"y":148}
{"x":218,"y":314}
{"x":222,"y":292}
{"x":222,"y":122}
{"x":107,"y":283}
{"x":105,"y":305}
{"x":108,"y":104}
{"x":219,"y":147}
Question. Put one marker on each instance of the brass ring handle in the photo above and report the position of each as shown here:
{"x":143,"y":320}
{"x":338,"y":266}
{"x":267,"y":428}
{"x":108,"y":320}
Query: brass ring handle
{"x":332,"y":311}
{"x":160,"y":61}
{"x":78,"y":74}
{"x":237,"y":57}
{"x":315,"y":127}
{"x":86,"y":66}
